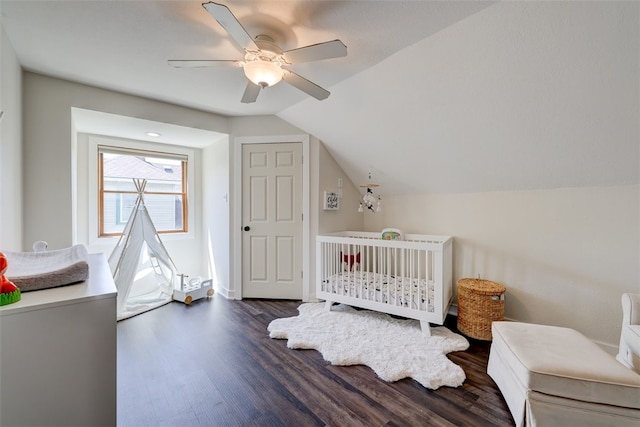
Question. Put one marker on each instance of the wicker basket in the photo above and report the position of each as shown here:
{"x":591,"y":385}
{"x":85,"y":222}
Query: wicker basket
{"x":480,"y":302}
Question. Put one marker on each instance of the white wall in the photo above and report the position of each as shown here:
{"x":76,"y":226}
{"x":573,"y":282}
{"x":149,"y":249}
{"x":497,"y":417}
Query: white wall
{"x":216,"y":196}
{"x":261,"y":126}
{"x":564,"y":255}
{"x":10,"y":147}
{"x":347,"y":217}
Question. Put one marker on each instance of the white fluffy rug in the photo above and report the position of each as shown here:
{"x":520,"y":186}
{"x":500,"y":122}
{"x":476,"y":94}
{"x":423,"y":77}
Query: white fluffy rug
{"x":393,"y":348}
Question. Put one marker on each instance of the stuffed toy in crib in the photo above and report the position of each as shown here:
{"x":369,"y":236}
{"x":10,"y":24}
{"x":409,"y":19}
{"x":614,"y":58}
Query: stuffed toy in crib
{"x":350,"y":262}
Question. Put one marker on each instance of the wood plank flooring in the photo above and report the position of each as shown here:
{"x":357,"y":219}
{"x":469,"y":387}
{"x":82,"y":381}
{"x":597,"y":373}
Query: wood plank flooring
{"x":213,"y":364}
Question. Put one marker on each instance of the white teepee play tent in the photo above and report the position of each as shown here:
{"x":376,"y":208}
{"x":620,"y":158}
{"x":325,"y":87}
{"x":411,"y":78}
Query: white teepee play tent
{"x":142,"y":269}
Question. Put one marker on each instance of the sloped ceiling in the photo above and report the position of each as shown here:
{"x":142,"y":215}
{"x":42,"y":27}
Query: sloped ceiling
{"x":434,"y":97}
{"x":124,"y":45}
{"x":519,"y":96}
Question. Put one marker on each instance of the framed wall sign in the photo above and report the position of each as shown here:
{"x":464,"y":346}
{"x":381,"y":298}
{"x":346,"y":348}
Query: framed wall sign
{"x":331,"y":201}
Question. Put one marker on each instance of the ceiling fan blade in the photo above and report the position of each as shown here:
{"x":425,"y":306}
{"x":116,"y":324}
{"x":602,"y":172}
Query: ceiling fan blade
{"x":229,"y":22}
{"x":250,"y":93}
{"x":305,"y":85}
{"x":196,"y":63}
{"x":316,"y":52}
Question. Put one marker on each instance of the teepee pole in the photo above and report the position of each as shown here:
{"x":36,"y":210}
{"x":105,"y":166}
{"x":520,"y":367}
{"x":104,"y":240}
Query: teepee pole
{"x":140,"y":185}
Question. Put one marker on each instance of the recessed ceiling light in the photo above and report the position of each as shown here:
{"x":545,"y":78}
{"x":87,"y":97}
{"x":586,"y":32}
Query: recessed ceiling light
{"x":153,"y":134}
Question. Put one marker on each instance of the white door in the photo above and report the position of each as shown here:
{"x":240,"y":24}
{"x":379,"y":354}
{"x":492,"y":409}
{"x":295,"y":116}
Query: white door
{"x":272,"y":221}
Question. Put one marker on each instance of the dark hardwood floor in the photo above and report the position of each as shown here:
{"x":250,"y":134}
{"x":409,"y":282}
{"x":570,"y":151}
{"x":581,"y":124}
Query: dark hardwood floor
{"x":213,"y":364}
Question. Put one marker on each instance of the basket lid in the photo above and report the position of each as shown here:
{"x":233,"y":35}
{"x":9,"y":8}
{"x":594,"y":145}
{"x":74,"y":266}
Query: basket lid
{"x":482,"y":286}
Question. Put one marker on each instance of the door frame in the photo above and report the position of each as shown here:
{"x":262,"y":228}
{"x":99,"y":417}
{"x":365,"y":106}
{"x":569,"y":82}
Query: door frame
{"x":236,"y":218}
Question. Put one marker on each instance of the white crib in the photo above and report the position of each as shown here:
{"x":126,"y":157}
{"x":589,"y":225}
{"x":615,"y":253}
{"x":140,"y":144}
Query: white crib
{"x":410,"y":278}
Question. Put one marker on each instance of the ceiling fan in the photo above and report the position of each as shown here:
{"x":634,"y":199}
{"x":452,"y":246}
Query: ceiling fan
{"x":265,"y":64}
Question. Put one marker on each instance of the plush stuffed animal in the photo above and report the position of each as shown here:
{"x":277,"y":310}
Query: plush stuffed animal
{"x":9,"y":293}
{"x":350,"y":262}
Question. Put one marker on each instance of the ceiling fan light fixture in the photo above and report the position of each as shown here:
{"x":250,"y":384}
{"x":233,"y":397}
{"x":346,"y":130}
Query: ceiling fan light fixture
{"x":263,"y":73}
{"x":264,"y":59}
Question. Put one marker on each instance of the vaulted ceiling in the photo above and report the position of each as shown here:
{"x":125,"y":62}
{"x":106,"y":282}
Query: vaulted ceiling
{"x":125,"y":45}
{"x":433,"y":96}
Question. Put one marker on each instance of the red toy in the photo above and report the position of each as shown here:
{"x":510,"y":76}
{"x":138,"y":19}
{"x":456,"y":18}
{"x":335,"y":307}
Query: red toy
{"x":9,"y":293}
{"x":350,"y":262}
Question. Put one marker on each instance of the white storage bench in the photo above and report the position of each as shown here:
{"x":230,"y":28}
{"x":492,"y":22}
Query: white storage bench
{"x":553,"y":376}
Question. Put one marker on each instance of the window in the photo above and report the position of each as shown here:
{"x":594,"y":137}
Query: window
{"x":165,"y":194}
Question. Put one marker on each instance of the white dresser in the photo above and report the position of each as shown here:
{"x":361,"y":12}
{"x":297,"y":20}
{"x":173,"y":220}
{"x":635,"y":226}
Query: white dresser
{"x":58,"y":354}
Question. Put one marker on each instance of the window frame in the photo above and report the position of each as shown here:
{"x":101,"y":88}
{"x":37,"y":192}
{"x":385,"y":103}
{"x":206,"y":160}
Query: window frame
{"x":118,"y":143}
{"x":107,"y":149}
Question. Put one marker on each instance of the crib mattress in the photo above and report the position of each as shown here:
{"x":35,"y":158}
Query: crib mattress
{"x":388,"y":289}
{"x":32,"y":271}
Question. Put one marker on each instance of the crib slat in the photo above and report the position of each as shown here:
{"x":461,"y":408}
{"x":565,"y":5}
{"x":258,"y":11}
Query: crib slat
{"x":412,"y":279}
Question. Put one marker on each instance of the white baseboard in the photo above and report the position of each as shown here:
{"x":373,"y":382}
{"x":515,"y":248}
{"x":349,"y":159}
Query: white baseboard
{"x":453,"y":310}
{"x":225,"y":292}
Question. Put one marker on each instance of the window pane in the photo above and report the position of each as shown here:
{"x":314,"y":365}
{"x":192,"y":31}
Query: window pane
{"x":125,"y":206}
{"x":164,"y":175}
{"x":111,"y":214}
{"x":165,"y":211}
{"x":163,"y":186}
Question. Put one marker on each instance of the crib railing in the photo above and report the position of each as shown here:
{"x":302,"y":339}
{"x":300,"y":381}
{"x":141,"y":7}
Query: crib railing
{"x":412,"y":274}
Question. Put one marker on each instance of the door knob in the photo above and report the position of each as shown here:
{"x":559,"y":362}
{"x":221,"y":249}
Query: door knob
{"x":247,"y":228}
